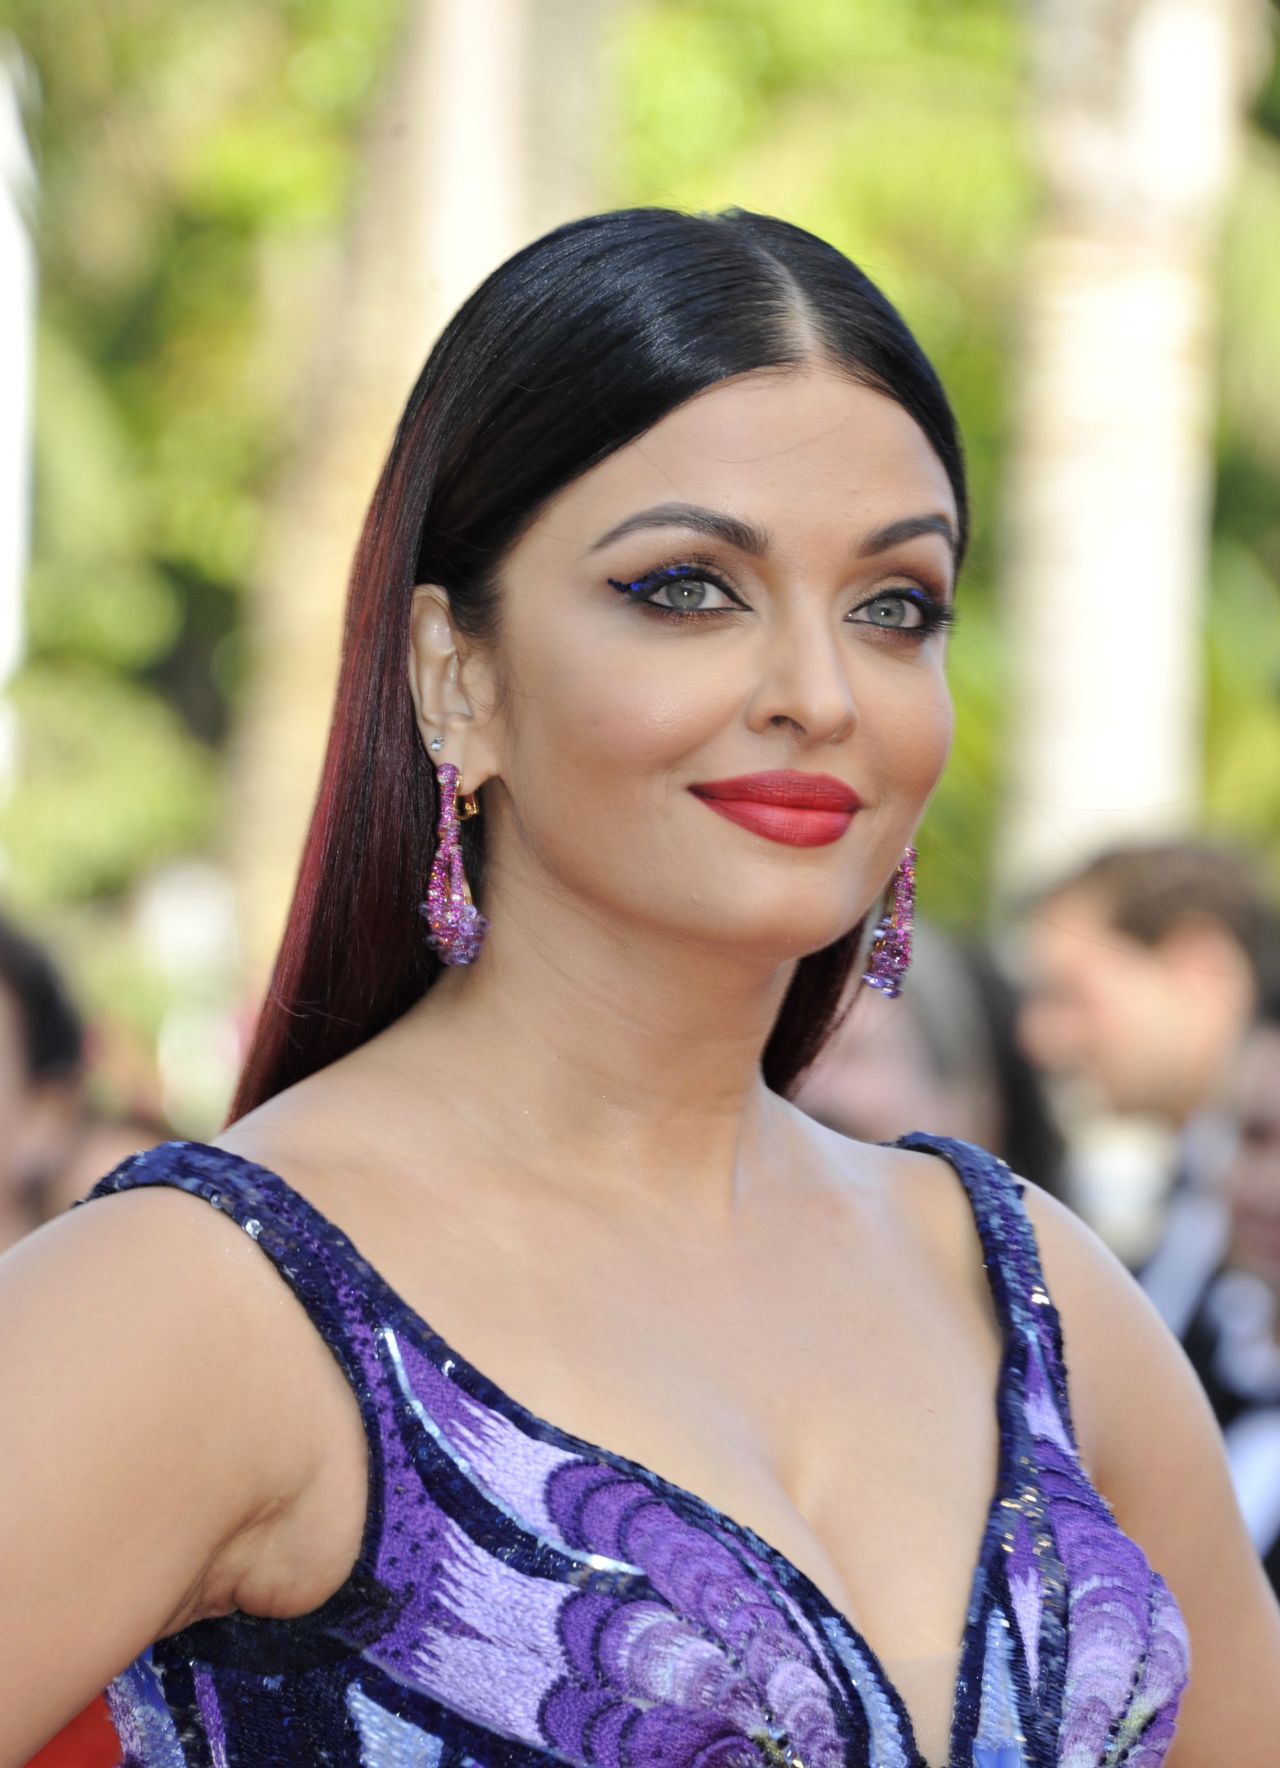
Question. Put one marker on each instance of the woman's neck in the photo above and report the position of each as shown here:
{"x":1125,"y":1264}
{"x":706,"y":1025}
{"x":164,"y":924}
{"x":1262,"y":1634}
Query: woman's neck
{"x":626,"y":1059}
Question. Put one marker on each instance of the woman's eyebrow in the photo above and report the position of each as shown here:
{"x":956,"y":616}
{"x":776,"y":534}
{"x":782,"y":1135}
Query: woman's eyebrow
{"x":755,"y":541}
{"x":747,"y":539}
{"x":909,"y":528}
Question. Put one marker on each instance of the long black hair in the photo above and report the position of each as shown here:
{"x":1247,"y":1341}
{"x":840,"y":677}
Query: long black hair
{"x":571,"y":349}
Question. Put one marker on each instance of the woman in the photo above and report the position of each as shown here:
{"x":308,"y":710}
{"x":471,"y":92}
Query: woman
{"x":658,"y":571}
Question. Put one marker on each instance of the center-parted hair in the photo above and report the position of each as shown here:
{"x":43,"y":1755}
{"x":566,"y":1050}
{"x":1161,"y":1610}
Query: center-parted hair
{"x":571,"y":349}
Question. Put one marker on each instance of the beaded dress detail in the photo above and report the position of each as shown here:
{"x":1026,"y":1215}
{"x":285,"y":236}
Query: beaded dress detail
{"x":523,"y":1598}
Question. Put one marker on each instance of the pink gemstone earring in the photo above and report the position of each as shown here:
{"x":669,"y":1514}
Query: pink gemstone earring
{"x":456,"y":928}
{"x":891,"y":942}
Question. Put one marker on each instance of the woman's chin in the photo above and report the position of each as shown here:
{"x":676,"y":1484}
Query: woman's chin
{"x":782,"y":936}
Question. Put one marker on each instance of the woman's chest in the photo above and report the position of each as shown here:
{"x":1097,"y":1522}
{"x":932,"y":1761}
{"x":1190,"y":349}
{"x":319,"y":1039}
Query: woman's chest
{"x":828,"y":1385}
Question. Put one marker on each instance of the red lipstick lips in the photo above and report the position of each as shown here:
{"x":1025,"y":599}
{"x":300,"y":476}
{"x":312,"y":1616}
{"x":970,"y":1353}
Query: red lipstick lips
{"x":797,"y":809}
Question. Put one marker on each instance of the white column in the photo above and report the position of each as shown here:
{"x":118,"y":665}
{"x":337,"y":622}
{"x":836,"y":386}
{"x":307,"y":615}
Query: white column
{"x":474,"y":143}
{"x":1137,"y":104}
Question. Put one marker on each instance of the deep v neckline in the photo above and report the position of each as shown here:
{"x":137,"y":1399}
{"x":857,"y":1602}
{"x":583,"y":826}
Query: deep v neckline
{"x":472,"y":1381}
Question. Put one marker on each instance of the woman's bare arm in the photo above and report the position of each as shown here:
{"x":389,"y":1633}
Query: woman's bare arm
{"x":146,"y":1438}
{"x":1154,"y":1450}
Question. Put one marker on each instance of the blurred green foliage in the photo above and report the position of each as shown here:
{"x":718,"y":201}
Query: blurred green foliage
{"x":196,"y":162}
{"x":899,"y":133}
{"x":190,"y":160}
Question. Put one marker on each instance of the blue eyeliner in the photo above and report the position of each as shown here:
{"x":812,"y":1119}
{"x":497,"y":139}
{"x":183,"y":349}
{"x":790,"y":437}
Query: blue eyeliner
{"x":651,"y":578}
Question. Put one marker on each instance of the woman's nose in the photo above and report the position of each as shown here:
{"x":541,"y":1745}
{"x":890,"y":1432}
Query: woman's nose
{"x":805,"y":684}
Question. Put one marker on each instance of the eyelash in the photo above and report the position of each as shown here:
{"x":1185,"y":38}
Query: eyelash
{"x":934,"y":614}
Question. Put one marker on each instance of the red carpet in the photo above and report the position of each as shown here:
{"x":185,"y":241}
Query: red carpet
{"x":88,"y":1742}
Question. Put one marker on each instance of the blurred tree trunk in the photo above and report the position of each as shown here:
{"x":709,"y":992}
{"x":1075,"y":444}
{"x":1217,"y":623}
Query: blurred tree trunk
{"x":1138,"y":107}
{"x":484,"y":137}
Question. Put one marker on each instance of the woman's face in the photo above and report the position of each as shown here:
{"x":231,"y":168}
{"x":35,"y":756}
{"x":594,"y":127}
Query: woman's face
{"x":750,"y":588}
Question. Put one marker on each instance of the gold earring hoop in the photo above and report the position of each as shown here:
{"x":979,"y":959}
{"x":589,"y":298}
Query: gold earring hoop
{"x":468,"y":805}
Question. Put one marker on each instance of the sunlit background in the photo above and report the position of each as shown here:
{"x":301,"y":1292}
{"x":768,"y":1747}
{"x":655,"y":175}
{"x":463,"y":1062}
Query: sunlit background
{"x":232,"y":228}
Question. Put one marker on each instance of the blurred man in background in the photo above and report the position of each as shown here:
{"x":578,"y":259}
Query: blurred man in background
{"x":1233,"y":1337}
{"x":1142,"y":971}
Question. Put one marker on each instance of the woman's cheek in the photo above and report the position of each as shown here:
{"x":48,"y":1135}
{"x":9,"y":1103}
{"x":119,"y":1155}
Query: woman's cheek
{"x":640,"y":715}
{"x":909,"y":728}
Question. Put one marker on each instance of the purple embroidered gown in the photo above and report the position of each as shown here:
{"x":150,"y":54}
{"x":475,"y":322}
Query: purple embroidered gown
{"x":523,"y":1598}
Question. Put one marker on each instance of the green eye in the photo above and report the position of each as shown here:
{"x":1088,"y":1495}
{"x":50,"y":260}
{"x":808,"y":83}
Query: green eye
{"x":889,"y":610}
{"x":689,"y":592}
{"x":680,"y":589}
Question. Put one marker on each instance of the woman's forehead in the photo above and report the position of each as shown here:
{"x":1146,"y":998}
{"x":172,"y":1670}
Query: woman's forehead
{"x":782,"y":449}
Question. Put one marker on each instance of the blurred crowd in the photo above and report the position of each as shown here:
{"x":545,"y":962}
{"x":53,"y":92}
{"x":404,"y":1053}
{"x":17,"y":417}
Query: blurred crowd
{"x":1142,"y":988}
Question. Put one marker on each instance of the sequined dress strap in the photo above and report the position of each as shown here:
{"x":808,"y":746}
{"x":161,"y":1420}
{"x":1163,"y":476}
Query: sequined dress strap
{"x":1009,"y":1251}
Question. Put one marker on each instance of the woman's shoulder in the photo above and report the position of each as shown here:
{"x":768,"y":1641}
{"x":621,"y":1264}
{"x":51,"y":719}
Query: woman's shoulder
{"x":139,"y":1218}
{"x":1131,"y":1388}
{"x":333,"y":1141}
{"x":943,"y":1181}
{"x":932,"y":1190}
{"x":965,"y":1207}
{"x":164,"y":1285}
{"x":131,"y":1335}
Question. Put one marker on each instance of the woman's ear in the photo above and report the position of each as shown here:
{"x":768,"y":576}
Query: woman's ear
{"x":445,"y":683}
